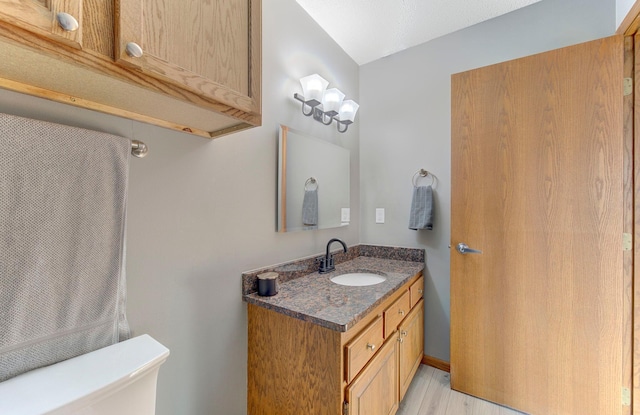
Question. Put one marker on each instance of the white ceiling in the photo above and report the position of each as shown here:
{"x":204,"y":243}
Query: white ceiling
{"x":371,"y":29}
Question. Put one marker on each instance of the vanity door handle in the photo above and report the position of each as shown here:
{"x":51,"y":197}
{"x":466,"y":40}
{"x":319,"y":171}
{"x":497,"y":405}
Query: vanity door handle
{"x":371,"y":347}
{"x":401,"y":312}
{"x":403,"y":333}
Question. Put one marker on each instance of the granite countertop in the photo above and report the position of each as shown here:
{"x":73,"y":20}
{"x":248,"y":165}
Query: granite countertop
{"x":314,"y":298}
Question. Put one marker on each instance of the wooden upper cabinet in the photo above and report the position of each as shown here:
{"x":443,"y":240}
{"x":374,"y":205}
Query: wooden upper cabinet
{"x":200,"y":69}
{"x":209,"y":47}
{"x":40,"y":17}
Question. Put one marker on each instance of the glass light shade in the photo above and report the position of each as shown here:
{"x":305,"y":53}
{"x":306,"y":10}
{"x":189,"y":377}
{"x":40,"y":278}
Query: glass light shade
{"x":348,"y":110}
{"x":313,"y":87}
{"x":332,"y":100}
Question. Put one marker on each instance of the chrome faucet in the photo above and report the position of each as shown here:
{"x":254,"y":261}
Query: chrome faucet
{"x":326,"y":263}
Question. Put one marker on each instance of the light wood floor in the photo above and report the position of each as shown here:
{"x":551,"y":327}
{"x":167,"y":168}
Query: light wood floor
{"x":430,"y":394}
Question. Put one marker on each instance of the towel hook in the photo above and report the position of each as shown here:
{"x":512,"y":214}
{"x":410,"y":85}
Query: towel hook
{"x":139,"y":149}
{"x":311,"y":180}
{"x":423,"y":173}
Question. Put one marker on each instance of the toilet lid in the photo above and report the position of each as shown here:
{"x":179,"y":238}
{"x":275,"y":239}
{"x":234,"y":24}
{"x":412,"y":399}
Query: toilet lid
{"x":59,"y":387}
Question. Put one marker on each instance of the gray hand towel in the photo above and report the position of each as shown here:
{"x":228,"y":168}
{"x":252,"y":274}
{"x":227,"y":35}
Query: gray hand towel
{"x":421,"y":215}
{"x":62,"y":217}
{"x":310,"y":207}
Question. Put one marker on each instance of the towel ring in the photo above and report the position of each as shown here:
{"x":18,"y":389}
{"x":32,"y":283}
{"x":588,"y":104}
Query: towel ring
{"x":424,"y":173}
{"x":311,"y":180}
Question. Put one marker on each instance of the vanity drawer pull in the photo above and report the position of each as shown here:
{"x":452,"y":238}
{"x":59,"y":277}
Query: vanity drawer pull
{"x":371,"y":347}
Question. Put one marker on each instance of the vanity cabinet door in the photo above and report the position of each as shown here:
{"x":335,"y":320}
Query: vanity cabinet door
{"x":375,"y":389}
{"x":40,"y":17}
{"x":209,"y":47}
{"x":411,"y":346}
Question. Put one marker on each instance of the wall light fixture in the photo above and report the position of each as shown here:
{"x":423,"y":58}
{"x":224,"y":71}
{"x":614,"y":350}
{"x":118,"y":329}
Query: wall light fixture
{"x":326,"y":105}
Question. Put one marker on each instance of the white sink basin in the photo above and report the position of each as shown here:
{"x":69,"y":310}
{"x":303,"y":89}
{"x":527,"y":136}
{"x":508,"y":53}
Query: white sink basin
{"x":358,"y":279}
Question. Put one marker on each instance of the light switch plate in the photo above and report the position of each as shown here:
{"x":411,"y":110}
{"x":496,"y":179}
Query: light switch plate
{"x":379,"y":215}
{"x":345,"y":215}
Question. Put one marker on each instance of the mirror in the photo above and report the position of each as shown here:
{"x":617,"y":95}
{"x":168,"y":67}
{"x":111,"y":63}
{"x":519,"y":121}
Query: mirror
{"x":313,"y":183}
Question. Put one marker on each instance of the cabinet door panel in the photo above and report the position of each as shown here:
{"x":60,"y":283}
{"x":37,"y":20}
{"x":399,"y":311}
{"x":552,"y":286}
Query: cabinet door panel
{"x":375,"y":390}
{"x":39,"y":16}
{"x":411,"y":347}
{"x":210,"y":47}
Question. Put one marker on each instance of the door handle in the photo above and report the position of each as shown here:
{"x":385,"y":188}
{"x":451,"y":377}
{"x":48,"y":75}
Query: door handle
{"x":464,"y":249}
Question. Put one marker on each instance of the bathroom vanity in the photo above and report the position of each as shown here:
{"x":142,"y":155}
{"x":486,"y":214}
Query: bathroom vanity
{"x":322,"y":348}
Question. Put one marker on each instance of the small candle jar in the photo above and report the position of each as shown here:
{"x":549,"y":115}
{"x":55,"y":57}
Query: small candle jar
{"x":267,"y":284}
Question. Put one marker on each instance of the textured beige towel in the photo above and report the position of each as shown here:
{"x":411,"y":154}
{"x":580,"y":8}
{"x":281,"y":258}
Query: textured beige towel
{"x":62,"y":217}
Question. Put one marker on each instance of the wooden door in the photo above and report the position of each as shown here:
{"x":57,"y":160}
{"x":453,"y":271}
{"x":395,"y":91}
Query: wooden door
{"x":375,"y":389}
{"x":212,"y":48}
{"x":40,"y":17}
{"x":411,"y":348}
{"x":538,"y":320}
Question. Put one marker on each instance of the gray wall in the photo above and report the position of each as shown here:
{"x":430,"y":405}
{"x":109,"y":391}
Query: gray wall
{"x":201,"y":212}
{"x":405,"y":125}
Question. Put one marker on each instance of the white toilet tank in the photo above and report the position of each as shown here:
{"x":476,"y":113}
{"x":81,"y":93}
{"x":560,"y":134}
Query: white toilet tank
{"x":115,"y":380}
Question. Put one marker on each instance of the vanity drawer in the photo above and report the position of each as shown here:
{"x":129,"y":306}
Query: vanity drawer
{"x":362,"y":348}
{"x":395,"y":313}
{"x":416,"y":291}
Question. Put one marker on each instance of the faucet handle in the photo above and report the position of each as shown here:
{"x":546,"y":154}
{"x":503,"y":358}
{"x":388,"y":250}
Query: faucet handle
{"x":326,"y":264}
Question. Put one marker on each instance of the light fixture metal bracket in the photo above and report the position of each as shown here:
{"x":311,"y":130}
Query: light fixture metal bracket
{"x":319,"y":115}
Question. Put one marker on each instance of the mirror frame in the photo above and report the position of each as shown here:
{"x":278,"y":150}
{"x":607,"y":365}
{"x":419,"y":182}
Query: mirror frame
{"x":329,"y":164}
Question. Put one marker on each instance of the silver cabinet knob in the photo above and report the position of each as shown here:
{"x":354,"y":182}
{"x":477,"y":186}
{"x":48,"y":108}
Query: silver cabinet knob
{"x":464,"y":249}
{"x":134,"y":50}
{"x":371,"y":347}
{"x":403,"y":333}
{"x":401,"y":312}
{"x":400,"y":339}
{"x":67,"y":22}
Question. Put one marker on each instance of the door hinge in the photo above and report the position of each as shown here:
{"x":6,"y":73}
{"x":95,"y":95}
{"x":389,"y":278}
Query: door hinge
{"x":626,"y":397}
{"x":345,"y":408}
{"x":628,"y":86}
{"x":627,"y":242}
